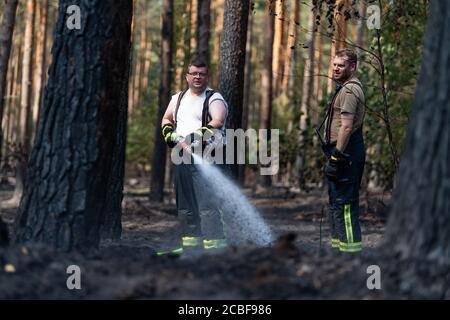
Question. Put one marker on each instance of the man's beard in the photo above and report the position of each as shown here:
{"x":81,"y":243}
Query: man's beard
{"x":343,"y":77}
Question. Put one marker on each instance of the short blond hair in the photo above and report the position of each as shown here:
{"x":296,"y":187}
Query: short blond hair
{"x":349,"y":54}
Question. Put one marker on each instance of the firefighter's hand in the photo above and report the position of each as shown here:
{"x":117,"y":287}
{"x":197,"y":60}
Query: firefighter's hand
{"x":336,"y":164}
{"x":170,"y":136}
{"x":199,"y":134}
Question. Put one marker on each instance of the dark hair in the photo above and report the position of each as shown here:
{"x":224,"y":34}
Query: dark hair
{"x":199,"y":63}
{"x":349,"y":54}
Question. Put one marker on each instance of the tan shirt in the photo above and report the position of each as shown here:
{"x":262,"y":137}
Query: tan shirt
{"x":349,"y":99}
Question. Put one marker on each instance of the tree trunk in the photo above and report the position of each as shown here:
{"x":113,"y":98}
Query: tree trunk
{"x":6,"y":35}
{"x":143,"y":51}
{"x":80,"y":142}
{"x":361,"y":29}
{"x":194,"y":18}
{"x":219,"y":7}
{"x":232,"y":58}
{"x":146,"y":65}
{"x":308,"y":80}
{"x":279,"y":44}
{"x":24,"y":140}
{"x":265,"y":120}
{"x":294,"y":21}
{"x":138,"y":66}
{"x":203,"y":29}
{"x":318,"y":88}
{"x":4,"y":236}
{"x":183,"y":47}
{"x":40,"y":65}
{"x":159,"y":151}
{"x":341,"y":23}
{"x":13,"y":104}
{"x":419,"y":224}
{"x":25,"y":99}
{"x":132,"y":69}
{"x":248,"y":72}
{"x":247,"y":87}
{"x":338,"y":39}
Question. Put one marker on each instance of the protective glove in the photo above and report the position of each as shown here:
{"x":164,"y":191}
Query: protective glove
{"x":170,"y":136}
{"x":336,"y":164}
{"x":197,"y":135}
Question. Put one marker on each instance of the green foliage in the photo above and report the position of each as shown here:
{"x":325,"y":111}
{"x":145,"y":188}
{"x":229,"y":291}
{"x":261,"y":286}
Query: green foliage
{"x":403,"y":26}
{"x":141,"y":135}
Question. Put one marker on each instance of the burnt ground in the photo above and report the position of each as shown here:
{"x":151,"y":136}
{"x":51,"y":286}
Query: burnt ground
{"x":294,"y":267}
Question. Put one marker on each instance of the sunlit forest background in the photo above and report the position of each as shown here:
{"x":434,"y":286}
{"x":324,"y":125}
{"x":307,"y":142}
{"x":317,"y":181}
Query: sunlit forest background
{"x":305,"y":37}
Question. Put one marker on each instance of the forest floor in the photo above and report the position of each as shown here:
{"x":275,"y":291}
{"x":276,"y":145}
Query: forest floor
{"x":293,"y":267}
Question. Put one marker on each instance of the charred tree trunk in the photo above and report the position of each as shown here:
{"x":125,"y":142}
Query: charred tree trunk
{"x":203,"y":29}
{"x":419,"y":225}
{"x":6,"y":35}
{"x":159,"y":151}
{"x":232,"y":58}
{"x":4,"y":237}
{"x":75,"y":165}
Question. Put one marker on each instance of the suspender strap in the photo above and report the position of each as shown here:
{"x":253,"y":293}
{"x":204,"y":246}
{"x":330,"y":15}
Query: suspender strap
{"x":205,"y":113}
{"x":182,"y":93}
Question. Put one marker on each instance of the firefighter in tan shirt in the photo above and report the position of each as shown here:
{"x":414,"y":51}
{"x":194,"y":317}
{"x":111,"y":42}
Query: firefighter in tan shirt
{"x":346,"y":153}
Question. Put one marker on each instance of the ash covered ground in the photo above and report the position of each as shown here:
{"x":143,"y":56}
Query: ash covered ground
{"x":295,"y":266}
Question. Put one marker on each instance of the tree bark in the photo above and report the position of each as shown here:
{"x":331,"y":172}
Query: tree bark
{"x":13,"y":102}
{"x":138,"y":66}
{"x":25,"y":98}
{"x":6,"y":35}
{"x":132,"y":69}
{"x":218,"y":7}
{"x":247,"y":87}
{"x":194,"y":18}
{"x":40,"y":65}
{"x":159,"y":151}
{"x":294,"y":21}
{"x":182,"y":54}
{"x":232,"y":58}
{"x":265,"y":120}
{"x":419,"y":224}
{"x":338,"y":39}
{"x":80,"y":141}
{"x":24,"y":140}
{"x":203,"y":29}
{"x":308,"y":81}
{"x":248,"y":72}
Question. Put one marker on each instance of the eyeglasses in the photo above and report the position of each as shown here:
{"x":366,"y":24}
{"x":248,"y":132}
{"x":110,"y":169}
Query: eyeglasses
{"x":197,"y":74}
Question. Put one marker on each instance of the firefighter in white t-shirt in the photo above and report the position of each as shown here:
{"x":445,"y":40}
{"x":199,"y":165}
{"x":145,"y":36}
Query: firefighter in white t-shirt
{"x":191,"y":115}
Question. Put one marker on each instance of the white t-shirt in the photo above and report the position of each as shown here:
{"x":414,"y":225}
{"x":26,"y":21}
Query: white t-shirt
{"x":189,"y":116}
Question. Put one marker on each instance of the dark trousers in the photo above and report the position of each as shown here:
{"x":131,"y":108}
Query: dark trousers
{"x":344,"y":199}
{"x":197,"y":210}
